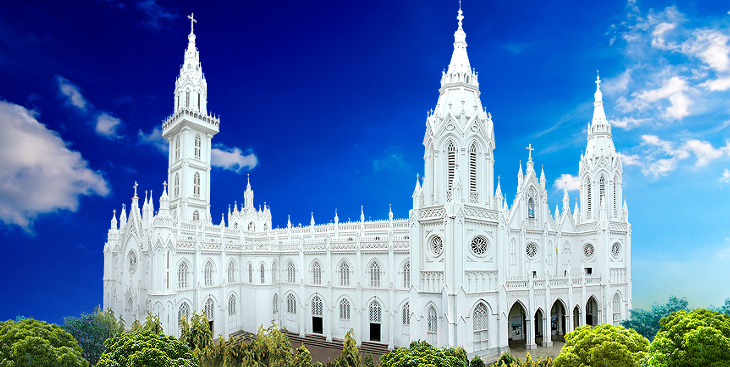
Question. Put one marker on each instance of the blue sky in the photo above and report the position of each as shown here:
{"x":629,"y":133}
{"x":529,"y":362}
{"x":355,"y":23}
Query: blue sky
{"x":324,"y":105}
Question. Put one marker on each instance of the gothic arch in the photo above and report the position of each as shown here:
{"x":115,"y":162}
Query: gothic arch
{"x":477,"y":302}
{"x":559,"y":299}
{"x":317,"y":270}
{"x":375,"y":273}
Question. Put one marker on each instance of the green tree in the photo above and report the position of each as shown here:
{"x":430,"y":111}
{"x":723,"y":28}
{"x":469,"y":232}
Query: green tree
{"x":724,"y":308}
{"x":420,"y":353}
{"x":152,"y":323}
{"x":30,"y":342}
{"x":92,"y":330}
{"x":603,"y":345}
{"x":350,"y":355}
{"x":477,"y":362}
{"x":271,"y":347}
{"x":303,"y":358}
{"x":136,"y":326}
{"x":200,"y":335}
{"x":148,"y":349}
{"x":646,"y":323}
{"x":696,"y":338}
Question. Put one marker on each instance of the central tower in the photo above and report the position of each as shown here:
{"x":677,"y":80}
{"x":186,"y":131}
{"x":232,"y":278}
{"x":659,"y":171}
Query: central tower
{"x":189,"y":132}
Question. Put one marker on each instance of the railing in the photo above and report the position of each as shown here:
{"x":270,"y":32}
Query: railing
{"x":516,"y":282}
{"x":481,"y":280}
{"x":558,"y":281}
{"x":473,"y":197}
{"x":432,"y":281}
{"x":593,"y":279}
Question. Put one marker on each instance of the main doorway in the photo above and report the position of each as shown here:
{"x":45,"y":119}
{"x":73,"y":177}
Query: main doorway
{"x":375,"y":316}
{"x":317,"y":313}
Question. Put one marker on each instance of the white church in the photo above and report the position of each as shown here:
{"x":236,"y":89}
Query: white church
{"x":466,"y":268}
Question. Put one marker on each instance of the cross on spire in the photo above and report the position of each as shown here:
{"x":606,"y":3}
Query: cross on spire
{"x":164,"y":184}
{"x":192,"y":20}
{"x":530,"y":148}
{"x":135,"y":188}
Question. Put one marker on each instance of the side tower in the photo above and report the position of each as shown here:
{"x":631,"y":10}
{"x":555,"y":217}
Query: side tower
{"x":189,"y":132}
{"x":453,"y":224}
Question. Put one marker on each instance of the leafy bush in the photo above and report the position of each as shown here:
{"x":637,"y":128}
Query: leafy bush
{"x":30,"y":342}
{"x":646,"y":323}
{"x":92,"y":330}
{"x":420,"y":353}
{"x":697,"y":338}
{"x":148,"y":349}
{"x":603,"y":345}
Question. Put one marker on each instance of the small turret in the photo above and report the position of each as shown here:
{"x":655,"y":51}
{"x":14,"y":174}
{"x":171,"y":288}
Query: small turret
{"x":390,"y":212}
{"x":362,"y":214}
{"x":337,"y":219}
{"x":114,"y":220}
{"x":311,"y":221}
{"x":288,"y":221}
{"x":520,"y":176}
{"x":123,"y":217}
{"x":566,"y":198}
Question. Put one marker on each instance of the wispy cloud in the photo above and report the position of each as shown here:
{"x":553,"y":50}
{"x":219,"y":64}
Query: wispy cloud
{"x":154,"y":138}
{"x":156,"y":15}
{"x":72,"y":94}
{"x":391,"y":160}
{"x":106,"y":125}
{"x":568,"y":181}
{"x":661,"y":157}
{"x":38,"y":173}
{"x":627,"y":123}
{"x":233,"y":159}
{"x":725,"y":176}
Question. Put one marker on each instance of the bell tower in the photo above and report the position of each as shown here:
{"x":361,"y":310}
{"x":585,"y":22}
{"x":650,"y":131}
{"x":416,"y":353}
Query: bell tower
{"x":189,"y":132}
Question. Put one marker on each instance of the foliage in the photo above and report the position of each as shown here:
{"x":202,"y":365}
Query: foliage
{"x":200,"y":334}
{"x":420,"y":353}
{"x":603,"y":345}
{"x":350,"y":355}
{"x":29,"y":342}
{"x":214,"y":355}
{"x":697,"y":338}
{"x":136,"y":327}
{"x":303,"y":358}
{"x":477,"y":362}
{"x":270,"y":348}
{"x":507,"y":359}
{"x":92,"y":330}
{"x":367,"y":361}
{"x":146,"y":348}
{"x":152,"y":323}
{"x":724,"y":308}
{"x":646,"y":323}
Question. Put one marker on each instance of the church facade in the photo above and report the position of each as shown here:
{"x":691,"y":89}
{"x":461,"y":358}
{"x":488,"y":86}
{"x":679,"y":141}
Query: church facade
{"x":464,"y":269}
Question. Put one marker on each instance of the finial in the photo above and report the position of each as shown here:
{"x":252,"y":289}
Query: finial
{"x":598,"y":80}
{"x":460,"y":17}
{"x":498,"y":178}
{"x":115,"y":212}
{"x":530,"y":148}
{"x":192,"y":20}
{"x":135,"y":188}
{"x":164,"y":185}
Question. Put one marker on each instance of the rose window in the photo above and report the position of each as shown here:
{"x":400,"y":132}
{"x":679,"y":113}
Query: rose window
{"x":479,"y":245}
{"x":531,"y":250}
{"x":616,"y":249}
{"x":437,"y":246}
{"x":588,"y":250}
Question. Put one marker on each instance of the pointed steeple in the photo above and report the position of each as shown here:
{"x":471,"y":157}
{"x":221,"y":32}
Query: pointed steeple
{"x":123,"y":217}
{"x":599,"y":130}
{"x":114,"y":220}
{"x":459,"y":59}
{"x":390,"y":212}
{"x":520,"y":176}
{"x":248,"y":194}
{"x":576,"y":212}
{"x":311,"y":221}
{"x":223,"y":220}
{"x":566,"y":199}
{"x":599,"y":115}
{"x":498,"y":193}
{"x":288,"y":221}
{"x":337,"y":219}
{"x":362,"y":214}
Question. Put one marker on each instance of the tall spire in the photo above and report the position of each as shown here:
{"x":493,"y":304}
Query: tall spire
{"x":599,"y":130}
{"x":599,"y":115}
{"x":459,"y":59}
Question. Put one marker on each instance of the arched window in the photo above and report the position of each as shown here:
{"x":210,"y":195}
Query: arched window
{"x":183,"y":313}
{"x":177,"y":185}
{"x":275,"y":305}
{"x":182,"y":276}
{"x":262,"y":269}
{"x":187,"y":98}
{"x":291,"y":303}
{"x":531,"y":208}
{"x":177,"y":148}
{"x":231,"y":272}
{"x":316,"y":273}
{"x":452,"y":163}
{"x":374,"y":274}
{"x":274,"y":272}
{"x":602,"y":188}
{"x":317,"y":306}
{"x":480,"y":329}
{"x":198,"y":100}
{"x":615,"y":195}
{"x":588,"y":198}
{"x":473,"y":173}
{"x":251,"y":227}
{"x":291,"y":273}
{"x":198,"y":145}
{"x":375,"y":312}
{"x":344,"y":309}
{"x":196,"y":216}
{"x":250,"y":273}
{"x":432,"y":320}
{"x":196,"y":184}
{"x":208,"y":273}
{"x":407,"y":275}
{"x":616,"y":309}
{"x":406,"y":314}
{"x":209,"y":309}
{"x":232,"y":305}
{"x":344,"y":274}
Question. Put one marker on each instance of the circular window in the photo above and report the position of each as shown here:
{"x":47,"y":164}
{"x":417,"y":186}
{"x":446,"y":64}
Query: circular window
{"x":588,"y":250}
{"x":479,"y":245}
{"x":436,"y":246}
{"x":132,"y":262}
{"x":531,"y":250}
{"x":616,"y":249}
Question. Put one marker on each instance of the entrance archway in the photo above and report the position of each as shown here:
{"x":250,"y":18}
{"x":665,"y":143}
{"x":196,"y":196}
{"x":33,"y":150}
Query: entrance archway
{"x":539,"y":329}
{"x":592,"y":312}
{"x":517,"y":324}
{"x":558,"y":319}
{"x":576,"y":317}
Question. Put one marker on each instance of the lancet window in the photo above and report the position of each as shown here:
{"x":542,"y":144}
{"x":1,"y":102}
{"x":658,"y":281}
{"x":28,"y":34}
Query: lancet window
{"x":407,"y":275}
{"x":208,"y":273}
{"x":183,"y":312}
{"x":406,"y":314}
{"x":316,"y":273}
{"x":262,"y":270}
{"x":231,"y":272}
{"x":374,"y":274}
{"x":198,"y":146}
{"x":291,"y":303}
{"x":375,"y":312}
{"x":432,"y":320}
{"x":196,"y":184}
{"x":452,"y":164}
{"x":344,"y":274}
{"x":344,"y":309}
{"x":291,"y":272}
{"x":182,"y":275}
{"x":480,"y":329}
{"x":473,"y":173}
{"x":232,"y":305}
{"x":209,"y":309}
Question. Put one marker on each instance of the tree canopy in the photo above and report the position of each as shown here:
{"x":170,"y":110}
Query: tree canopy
{"x":603,"y":345}
{"x":696,"y":338}
{"x":420,"y":353}
{"x":91,"y":330}
{"x":30,"y":342}
{"x":146,"y":348}
{"x":646,"y":322}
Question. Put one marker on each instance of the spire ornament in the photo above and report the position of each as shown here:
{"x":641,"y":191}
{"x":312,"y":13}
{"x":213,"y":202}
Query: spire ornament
{"x":192,"y":21}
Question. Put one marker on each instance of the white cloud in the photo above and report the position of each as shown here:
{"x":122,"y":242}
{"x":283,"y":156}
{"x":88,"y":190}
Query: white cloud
{"x":711,"y":47}
{"x":233,"y":159}
{"x":673,"y":89}
{"x":725,"y":176}
{"x":627,"y":123}
{"x":661,"y":157}
{"x":155,"y":139}
{"x":106,"y":125}
{"x":568,"y":181}
{"x":704,"y":151}
{"x":717,"y":85}
{"x":38,"y":173}
{"x":631,"y":160}
{"x":660,"y":30}
{"x":157,"y":16}
{"x":72,"y":94}
{"x":618,"y":84}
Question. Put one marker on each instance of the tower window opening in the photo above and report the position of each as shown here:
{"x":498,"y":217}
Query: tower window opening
{"x":473,"y":168}
{"x":177,"y":148}
{"x":198,"y":101}
{"x":452,"y":164}
{"x":531,"y":208}
{"x":177,"y":185}
{"x":187,"y":98}
{"x":196,"y":185}
{"x":602,"y":188}
{"x":615,"y":194}
{"x":198,"y":145}
{"x":588,"y":198}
